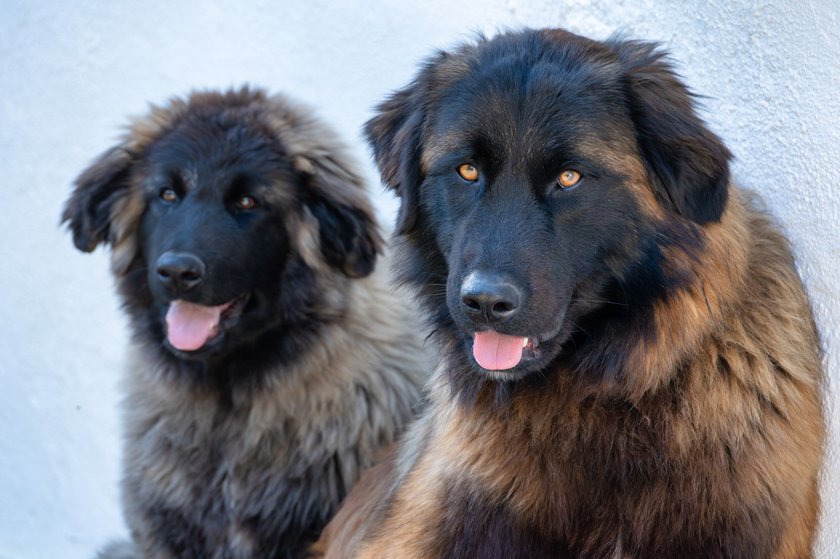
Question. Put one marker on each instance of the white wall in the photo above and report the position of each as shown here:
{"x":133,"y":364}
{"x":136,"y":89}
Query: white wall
{"x":71,"y":71}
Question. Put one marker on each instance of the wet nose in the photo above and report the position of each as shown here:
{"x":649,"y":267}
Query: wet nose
{"x":490,"y":297}
{"x":180,"y":271}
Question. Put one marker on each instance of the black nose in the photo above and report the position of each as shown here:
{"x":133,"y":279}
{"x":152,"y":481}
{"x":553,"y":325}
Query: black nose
{"x":180,"y":271}
{"x":490,"y":298}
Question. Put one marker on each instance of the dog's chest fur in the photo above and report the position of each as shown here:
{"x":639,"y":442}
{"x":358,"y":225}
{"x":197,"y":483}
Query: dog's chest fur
{"x":248,"y":474}
{"x":524,"y":498}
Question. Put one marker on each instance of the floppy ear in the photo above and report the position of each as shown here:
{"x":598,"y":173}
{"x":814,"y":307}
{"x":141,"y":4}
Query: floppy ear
{"x":395,"y":136}
{"x":88,"y":211}
{"x":689,"y":163}
{"x":349,"y":235}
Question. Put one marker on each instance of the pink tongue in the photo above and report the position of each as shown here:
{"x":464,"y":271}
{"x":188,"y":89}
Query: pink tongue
{"x":189,"y":326}
{"x":497,"y":352}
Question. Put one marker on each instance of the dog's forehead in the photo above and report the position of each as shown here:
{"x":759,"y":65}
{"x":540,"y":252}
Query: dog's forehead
{"x":219,"y":137}
{"x":208,"y":152}
{"x":512,"y":98}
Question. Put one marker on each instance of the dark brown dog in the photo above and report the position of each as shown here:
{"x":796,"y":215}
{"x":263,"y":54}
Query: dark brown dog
{"x":270,"y":358}
{"x":632,"y":369}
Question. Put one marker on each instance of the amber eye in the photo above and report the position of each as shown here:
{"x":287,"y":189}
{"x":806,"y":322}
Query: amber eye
{"x":168,"y":195}
{"x":468,"y":172}
{"x":568,"y":178}
{"x":246,"y":203}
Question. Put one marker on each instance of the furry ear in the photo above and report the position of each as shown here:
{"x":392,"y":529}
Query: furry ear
{"x":350,"y":240}
{"x":349,"y":235}
{"x":88,"y":211}
{"x":395,"y":136}
{"x":689,"y":163}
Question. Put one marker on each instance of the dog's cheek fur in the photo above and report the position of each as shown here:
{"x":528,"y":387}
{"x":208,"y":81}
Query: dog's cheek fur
{"x":395,"y":134}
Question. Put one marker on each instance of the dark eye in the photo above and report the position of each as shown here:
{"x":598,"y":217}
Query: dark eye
{"x":568,"y":178}
{"x":168,"y":195}
{"x":468,"y":172}
{"x":245,"y":203}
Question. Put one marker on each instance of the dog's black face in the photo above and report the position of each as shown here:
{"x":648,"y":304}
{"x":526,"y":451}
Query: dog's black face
{"x":214,"y":234}
{"x":226,"y":232}
{"x":540,"y":181}
{"x":522,"y":213}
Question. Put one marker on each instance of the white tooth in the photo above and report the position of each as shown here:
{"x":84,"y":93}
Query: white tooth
{"x":524,"y":342}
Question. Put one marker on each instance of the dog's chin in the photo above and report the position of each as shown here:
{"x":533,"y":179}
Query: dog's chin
{"x":220,"y":341}
{"x":202,"y":354}
{"x":213,"y":349}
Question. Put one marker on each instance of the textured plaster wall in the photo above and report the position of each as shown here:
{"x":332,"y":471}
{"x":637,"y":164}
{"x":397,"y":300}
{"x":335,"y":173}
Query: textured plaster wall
{"x":70,"y":72}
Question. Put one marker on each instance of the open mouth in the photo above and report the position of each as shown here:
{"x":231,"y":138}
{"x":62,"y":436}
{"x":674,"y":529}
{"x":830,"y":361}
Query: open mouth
{"x":499,"y":352}
{"x":191,"y":327}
